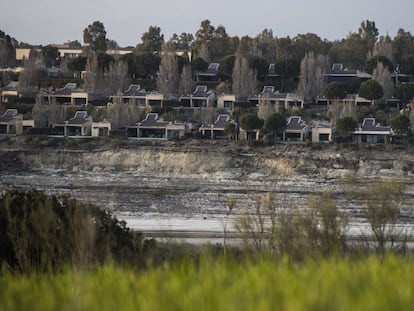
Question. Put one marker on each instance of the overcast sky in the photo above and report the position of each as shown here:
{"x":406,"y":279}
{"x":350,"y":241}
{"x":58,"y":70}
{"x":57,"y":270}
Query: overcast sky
{"x":58,"y":21}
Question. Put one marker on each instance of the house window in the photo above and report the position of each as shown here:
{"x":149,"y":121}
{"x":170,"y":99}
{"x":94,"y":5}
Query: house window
{"x":154,"y":103}
{"x":103,"y":131}
{"x":323,"y":137}
{"x":3,"y":129}
{"x":228,"y":104}
{"x":293,"y":136}
{"x":200,"y":103}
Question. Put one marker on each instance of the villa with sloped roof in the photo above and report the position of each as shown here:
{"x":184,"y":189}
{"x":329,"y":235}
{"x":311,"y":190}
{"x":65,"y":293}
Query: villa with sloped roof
{"x":371,"y":132}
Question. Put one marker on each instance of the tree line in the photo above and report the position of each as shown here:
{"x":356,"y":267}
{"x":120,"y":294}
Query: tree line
{"x":362,"y":49}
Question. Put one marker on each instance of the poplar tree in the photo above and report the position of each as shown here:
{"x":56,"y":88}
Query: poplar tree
{"x":312,"y":70}
{"x":383,"y":76}
{"x":244,"y":79}
{"x":168,"y":78}
{"x":93,"y":79}
{"x":116,"y":77}
{"x":186,"y":84}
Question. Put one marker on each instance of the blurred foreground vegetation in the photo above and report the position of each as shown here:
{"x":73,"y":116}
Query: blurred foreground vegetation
{"x":210,"y":284}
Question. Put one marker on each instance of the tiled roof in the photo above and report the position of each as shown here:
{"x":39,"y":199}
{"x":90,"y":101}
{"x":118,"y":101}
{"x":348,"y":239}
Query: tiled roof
{"x":370,"y":125}
{"x":272,"y":70}
{"x":221,"y":121}
{"x":9,"y":115}
{"x":68,"y":89}
{"x":152,"y":120}
{"x":134,"y":90}
{"x":268,"y":89}
{"x":295,"y":123}
{"x":200,"y":91}
{"x":12,"y":86}
{"x":212,"y":70}
{"x":79,"y":118}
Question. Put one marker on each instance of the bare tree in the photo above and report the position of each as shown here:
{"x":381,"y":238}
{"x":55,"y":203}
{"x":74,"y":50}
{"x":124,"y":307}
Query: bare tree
{"x":204,"y":52}
{"x":29,"y":77}
{"x":122,"y":115}
{"x":311,"y":76}
{"x":186,"y":84}
{"x":383,"y":47}
{"x":244,"y":79}
{"x":349,"y":109}
{"x":383,"y":76}
{"x":265,"y":108}
{"x":168,"y":78}
{"x":116,"y":77}
{"x":381,"y":201}
{"x":47,"y":115}
{"x":331,"y":223}
{"x":93,"y":79}
{"x":338,"y":110}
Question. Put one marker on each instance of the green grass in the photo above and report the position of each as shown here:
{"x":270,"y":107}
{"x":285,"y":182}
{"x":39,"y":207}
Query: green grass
{"x":335,"y":284}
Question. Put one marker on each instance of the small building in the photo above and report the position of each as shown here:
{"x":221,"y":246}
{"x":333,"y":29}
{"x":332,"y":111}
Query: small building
{"x":70,"y":94}
{"x":322,"y":132}
{"x":210,"y":75}
{"x":281,"y":101}
{"x":371,"y":132}
{"x":296,"y":130}
{"x":176,"y":130}
{"x":272,"y":77}
{"x":101,"y":129}
{"x":201,"y":97}
{"x":133,"y":95}
{"x":249,"y":135}
{"x":217,"y":129}
{"x":226,"y":101}
{"x":8,"y":121}
{"x":152,"y":127}
{"x":10,"y":92}
{"x":78,"y":126}
{"x":154,"y":100}
{"x":343,"y":75}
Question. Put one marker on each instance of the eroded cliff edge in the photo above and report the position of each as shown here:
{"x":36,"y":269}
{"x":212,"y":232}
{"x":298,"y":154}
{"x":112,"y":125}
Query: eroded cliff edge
{"x":224,"y":158}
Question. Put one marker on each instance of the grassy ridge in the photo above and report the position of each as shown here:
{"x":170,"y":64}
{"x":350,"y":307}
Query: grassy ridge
{"x":368,"y":284}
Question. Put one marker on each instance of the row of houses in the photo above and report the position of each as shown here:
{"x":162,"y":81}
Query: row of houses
{"x":153,"y":127}
{"x":201,"y":97}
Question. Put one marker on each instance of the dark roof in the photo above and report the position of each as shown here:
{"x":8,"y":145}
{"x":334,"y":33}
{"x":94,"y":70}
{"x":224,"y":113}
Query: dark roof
{"x":337,"y":67}
{"x":134,"y":90}
{"x":221,"y":121}
{"x":200,"y":91}
{"x":295,"y":123}
{"x":68,"y":89}
{"x":212,"y":70}
{"x":79,"y":118}
{"x":370,"y":125}
{"x":272,"y":70}
{"x":12,"y":86}
{"x":268,"y":89}
{"x":152,"y":120}
{"x":9,"y":115}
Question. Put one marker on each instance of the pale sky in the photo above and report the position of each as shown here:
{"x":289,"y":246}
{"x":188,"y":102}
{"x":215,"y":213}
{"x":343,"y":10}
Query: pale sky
{"x":58,"y":21}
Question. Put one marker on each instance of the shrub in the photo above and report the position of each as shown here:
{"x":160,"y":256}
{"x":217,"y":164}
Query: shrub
{"x":40,"y":232}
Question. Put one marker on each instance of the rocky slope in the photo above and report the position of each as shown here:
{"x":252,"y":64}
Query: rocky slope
{"x":235,"y":159}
